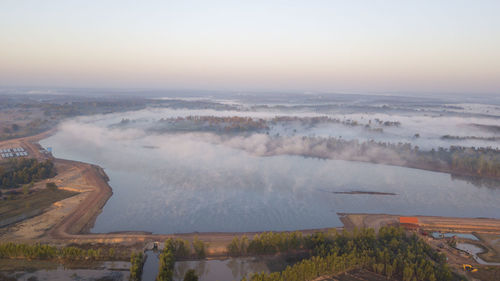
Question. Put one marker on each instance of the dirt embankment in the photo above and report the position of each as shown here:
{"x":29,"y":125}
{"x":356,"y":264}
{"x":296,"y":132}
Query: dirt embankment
{"x":443,"y":224}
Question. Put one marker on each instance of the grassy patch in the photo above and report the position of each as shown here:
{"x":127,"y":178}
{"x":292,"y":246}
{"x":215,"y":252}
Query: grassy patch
{"x":26,"y":204}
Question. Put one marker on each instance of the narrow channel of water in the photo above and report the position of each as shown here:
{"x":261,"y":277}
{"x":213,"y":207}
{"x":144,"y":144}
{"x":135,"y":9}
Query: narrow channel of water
{"x":151,"y":266}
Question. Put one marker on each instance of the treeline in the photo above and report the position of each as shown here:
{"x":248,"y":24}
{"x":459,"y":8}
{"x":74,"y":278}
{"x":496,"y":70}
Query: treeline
{"x":470,"y":161}
{"x":90,"y":107}
{"x":391,"y":253}
{"x":266,"y":243}
{"x":476,"y":161}
{"x":249,"y":124}
{"x":25,"y":170}
{"x":450,"y":137}
{"x":175,"y":249}
{"x":11,"y":250}
{"x":136,"y":265}
{"x":210,"y":123}
{"x":182,"y":249}
{"x":316,"y":120}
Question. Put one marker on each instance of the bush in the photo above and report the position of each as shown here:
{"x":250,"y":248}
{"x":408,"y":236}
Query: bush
{"x":191,"y":275}
{"x":51,"y":186}
{"x":199,"y":248}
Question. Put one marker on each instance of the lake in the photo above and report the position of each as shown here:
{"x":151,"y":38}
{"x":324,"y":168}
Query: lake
{"x":176,"y":183}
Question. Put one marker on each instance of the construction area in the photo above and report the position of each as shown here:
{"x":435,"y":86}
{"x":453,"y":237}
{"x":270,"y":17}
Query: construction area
{"x":471,"y":245}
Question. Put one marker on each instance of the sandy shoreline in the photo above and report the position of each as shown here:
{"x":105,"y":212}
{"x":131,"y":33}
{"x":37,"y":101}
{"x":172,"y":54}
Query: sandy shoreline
{"x":70,"y":220}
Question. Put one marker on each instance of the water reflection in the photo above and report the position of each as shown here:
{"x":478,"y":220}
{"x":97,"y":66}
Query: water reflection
{"x":185,"y":184}
{"x":113,"y":271}
{"x":151,"y":266}
{"x":209,"y":270}
{"x":213,"y":270}
{"x":474,"y":251}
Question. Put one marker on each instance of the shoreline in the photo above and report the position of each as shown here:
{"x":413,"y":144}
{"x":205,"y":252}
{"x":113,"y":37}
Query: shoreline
{"x":92,"y":183}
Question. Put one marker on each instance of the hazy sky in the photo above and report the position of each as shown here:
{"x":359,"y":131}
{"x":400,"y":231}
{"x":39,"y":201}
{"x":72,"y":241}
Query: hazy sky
{"x":442,"y":46}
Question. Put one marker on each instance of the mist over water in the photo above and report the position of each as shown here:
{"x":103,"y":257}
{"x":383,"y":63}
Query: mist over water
{"x":194,"y":181}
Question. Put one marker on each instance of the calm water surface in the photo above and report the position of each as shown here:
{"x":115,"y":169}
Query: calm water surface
{"x":177,"y":183}
{"x":107,"y":271}
{"x":207,"y":270}
{"x":474,"y":251}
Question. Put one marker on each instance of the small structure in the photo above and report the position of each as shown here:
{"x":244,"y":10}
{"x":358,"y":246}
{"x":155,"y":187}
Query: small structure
{"x":409,"y":222}
{"x":13,"y":152}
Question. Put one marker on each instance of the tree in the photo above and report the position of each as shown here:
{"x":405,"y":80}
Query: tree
{"x":191,"y":275}
{"x":234,"y":249}
{"x":111,"y":253}
{"x":199,"y":247}
{"x":179,"y":247}
{"x":407,"y":273}
{"x":136,"y":263}
{"x":24,"y":171}
{"x":27,"y":187}
{"x":166,"y":270}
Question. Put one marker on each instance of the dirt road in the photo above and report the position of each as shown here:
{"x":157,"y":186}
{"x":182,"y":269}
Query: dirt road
{"x":444,"y":224}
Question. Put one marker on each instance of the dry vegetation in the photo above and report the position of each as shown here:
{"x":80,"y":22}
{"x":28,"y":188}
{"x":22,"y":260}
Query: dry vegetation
{"x":23,"y":206}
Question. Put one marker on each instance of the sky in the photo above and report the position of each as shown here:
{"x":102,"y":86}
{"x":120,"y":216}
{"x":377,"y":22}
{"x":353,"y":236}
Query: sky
{"x":446,"y":46}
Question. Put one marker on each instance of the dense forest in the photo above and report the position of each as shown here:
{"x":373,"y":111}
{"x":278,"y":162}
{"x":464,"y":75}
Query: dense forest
{"x":25,"y":170}
{"x":391,"y":252}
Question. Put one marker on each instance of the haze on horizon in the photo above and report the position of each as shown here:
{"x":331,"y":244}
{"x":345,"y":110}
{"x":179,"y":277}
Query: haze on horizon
{"x":422,"y":46}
